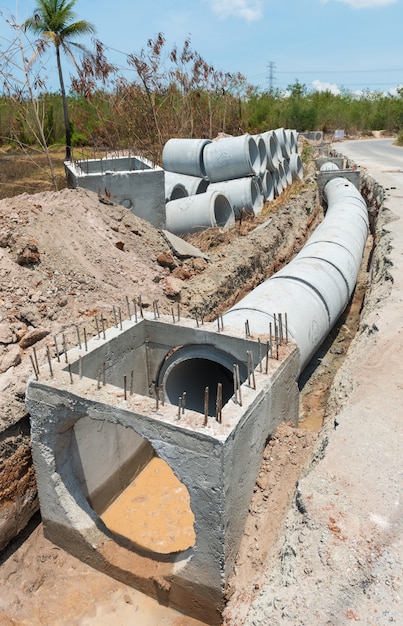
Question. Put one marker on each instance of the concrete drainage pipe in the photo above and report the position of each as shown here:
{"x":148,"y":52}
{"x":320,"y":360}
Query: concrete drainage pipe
{"x":296,"y":167}
{"x":194,"y":213}
{"x":261,"y":146}
{"x":185,"y":156}
{"x":272,"y":149}
{"x":242,"y":193}
{"x":267,"y":186}
{"x":192,"y":185}
{"x":231,"y":157}
{"x":315,"y":287}
{"x":282,"y":140}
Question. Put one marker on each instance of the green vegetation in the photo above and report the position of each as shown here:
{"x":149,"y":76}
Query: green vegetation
{"x":173,"y":93}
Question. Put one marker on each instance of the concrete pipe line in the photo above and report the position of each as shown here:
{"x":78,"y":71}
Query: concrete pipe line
{"x":315,"y":287}
{"x":194,"y":213}
{"x":313,"y":290}
{"x":242,"y":193}
{"x":192,"y":185}
{"x":185,"y":156}
{"x":231,"y":157}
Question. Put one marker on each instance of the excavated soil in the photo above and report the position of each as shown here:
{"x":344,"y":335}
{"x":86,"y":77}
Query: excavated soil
{"x":68,"y":258}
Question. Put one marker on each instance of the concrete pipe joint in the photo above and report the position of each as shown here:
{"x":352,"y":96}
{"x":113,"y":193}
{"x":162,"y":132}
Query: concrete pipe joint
{"x":185,"y":156}
{"x":282,"y":140}
{"x":242,"y":193}
{"x":272,"y":149}
{"x":267,"y":186}
{"x":194,"y":213}
{"x":261,"y":146}
{"x":192,"y":185}
{"x":231,"y":157}
{"x":296,"y":167}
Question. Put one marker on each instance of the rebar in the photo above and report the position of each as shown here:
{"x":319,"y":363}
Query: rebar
{"x":218,"y":412}
{"x":78,"y":336}
{"x":56,"y":349}
{"x":206,"y":401}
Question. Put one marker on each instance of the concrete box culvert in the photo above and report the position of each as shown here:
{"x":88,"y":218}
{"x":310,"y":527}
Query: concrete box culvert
{"x":185,"y":156}
{"x":216,"y":460}
{"x":242,"y":193}
{"x":231,"y":157}
{"x":194,"y":213}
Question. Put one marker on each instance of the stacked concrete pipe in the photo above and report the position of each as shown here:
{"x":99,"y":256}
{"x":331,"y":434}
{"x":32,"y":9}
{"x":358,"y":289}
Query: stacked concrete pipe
{"x":249,"y":170}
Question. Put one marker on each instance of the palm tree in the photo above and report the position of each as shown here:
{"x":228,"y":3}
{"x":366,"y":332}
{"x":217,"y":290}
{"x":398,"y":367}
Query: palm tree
{"x":53,"y":21}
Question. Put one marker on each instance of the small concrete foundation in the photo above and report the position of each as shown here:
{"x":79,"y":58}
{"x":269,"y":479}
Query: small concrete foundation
{"x":131,"y":181}
{"x":100,"y":414}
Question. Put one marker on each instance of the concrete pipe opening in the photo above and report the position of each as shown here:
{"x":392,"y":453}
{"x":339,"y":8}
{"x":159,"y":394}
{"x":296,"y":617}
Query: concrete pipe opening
{"x":194,"y":213}
{"x":193,"y":368}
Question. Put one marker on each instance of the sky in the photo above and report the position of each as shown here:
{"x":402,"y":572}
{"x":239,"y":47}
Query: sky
{"x":324,"y":44}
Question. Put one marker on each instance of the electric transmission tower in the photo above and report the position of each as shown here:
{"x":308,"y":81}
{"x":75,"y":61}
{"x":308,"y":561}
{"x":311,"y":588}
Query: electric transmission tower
{"x":271,"y":67}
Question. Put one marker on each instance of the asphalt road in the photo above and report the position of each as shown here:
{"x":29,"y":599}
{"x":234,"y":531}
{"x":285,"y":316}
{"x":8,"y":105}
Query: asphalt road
{"x":382,"y":159}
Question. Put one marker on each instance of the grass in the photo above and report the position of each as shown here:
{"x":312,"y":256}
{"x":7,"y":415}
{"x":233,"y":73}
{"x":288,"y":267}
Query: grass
{"x":22,"y":172}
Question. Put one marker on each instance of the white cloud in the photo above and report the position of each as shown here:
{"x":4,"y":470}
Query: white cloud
{"x":364,"y":4}
{"x":250,"y":10}
{"x":332,"y":87}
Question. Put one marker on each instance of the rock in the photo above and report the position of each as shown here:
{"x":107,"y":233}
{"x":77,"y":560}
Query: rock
{"x":172,"y":286}
{"x":27,"y":251}
{"x":199,"y":264}
{"x":32,"y":337}
{"x":11,"y":359}
{"x":120,"y":245}
{"x":165,"y":259}
{"x":6,"y":334}
{"x":29,"y":315}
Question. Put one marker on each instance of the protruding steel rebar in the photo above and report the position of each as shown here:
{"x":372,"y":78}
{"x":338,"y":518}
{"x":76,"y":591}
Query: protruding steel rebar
{"x":259,"y":347}
{"x":141,"y":307}
{"x":85,"y":339}
{"x":267,"y":358}
{"x":65,"y":348}
{"x":157,"y":397}
{"x":206,"y":401}
{"x":218,"y":409}
{"x":135,"y":311}
{"x":286,"y":328}
{"x":71,"y":374}
{"x":128,"y":308}
{"x":80,"y":367}
{"x":179,"y":312}
{"x":34,"y":367}
{"x":131,"y":382}
{"x":97,"y":326}
{"x":247,"y":329}
{"x":78,"y":336}
{"x":173,"y":314}
{"x":56,"y":349}
{"x":280,"y":326}
{"x":251,"y":369}
{"x":36,"y":359}
{"x":237,"y":385}
{"x":179,"y":408}
{"x":103,"y":325}
{"x":183,"y":403}
{"x":120,"y":318}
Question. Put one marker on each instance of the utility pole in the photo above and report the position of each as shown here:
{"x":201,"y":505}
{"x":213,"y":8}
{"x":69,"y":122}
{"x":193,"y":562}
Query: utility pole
{"x":271,"y":66}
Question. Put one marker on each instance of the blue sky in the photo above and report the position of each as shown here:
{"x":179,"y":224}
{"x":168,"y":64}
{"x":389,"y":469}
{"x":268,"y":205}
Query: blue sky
{"x":356,"y":44}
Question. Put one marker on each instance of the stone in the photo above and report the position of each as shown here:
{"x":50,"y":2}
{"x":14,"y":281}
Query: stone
{"x":32,"y":337}
{"x":6,"y":334}
{"x":10,"y":359}
{"x":172,"y":286}
{"x":165,"y":259}
{"x":27,"y":252}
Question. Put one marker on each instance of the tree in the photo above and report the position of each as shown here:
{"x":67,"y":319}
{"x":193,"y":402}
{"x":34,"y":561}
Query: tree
{"x":53,"y":21}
